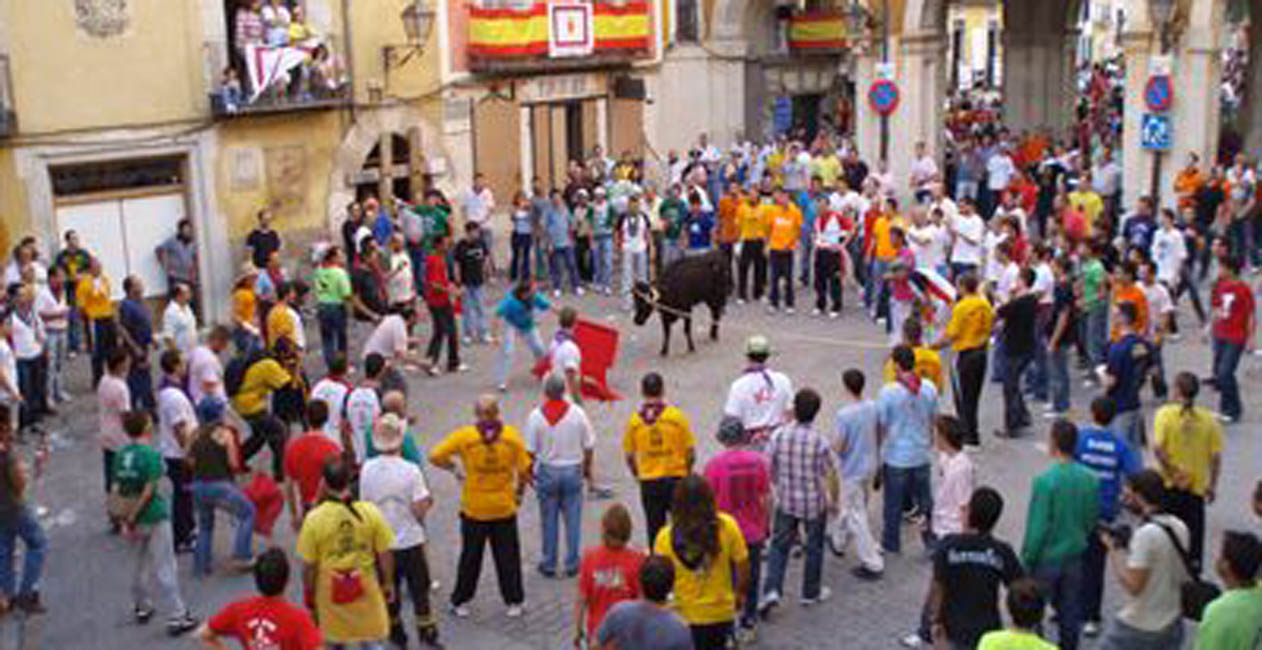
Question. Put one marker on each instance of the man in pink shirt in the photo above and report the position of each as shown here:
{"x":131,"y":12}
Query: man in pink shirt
{"x":113,"y":400}
{"x":741,"y":480}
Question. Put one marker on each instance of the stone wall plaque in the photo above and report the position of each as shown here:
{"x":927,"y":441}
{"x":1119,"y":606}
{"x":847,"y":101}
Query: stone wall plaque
{"x":287,"y":178}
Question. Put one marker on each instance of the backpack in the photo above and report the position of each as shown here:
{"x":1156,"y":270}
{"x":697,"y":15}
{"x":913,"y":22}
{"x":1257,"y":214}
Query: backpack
{"x":238,"y":365}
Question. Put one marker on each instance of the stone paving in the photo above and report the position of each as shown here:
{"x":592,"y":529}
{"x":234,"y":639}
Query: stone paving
{"x":88,"y":571}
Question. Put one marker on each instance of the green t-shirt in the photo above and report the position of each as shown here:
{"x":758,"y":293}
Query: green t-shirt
{"x":435,"y":223}
{"x":1232,"y":622}
{"x":410,"y":451}
{"x":1092,"y":283}
{"x":603,"y":220}
{"x":1013,"y":640}
{"x":332,"y":285}
{"x":1063,"y":511}
{"x":672,"y":212}
{"x":136,"y":466}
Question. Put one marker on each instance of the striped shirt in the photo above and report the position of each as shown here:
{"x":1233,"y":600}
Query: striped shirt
{"x":800,"y":463}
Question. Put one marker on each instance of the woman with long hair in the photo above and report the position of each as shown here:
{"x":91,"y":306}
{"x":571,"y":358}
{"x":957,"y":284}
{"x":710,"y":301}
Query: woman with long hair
{"x":348,"y":571}
{"x":711,"y":563}
{"x":1188,"y":441}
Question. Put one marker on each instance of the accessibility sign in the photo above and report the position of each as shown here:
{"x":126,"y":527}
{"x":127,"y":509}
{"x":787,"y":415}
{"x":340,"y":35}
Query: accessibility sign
{"x":883,"y":96}
{"x":1155,"y":132}
{"x":1159,"y":93}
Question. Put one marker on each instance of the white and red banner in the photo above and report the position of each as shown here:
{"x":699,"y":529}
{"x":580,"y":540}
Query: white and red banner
{"x":571,"y":31}
{"x":264,"y":65}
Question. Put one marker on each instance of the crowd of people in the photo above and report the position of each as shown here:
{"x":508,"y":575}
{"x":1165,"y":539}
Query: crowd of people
{"x":1024,"y":265}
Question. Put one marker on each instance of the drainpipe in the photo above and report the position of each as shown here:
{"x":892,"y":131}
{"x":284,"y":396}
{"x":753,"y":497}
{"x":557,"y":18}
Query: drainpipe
{"x":350,"y":56}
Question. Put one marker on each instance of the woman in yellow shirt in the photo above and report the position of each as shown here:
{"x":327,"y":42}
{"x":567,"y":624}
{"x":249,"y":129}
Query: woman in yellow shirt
{"x":245,"y":329}
{"x":348,"y":571}
{"x":711,"y":563}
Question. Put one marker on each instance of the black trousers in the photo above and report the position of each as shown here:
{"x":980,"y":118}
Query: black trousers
{"x":505,"y":550}
{"x":782,"y":277}
{"x":181,"y":478}
{"x":656,"y":495}
{"x":266,"y":429}
{"x":412,"y":569}
{"x":729,"y":254}
{"x":712,"y":636}
{"x":444,"y":318}
{"x":828,"y":276}
{"x":752,"y":255}
{"x":970,"y":370}
{"x":1190,"y":508}
{"x":583,"y":257}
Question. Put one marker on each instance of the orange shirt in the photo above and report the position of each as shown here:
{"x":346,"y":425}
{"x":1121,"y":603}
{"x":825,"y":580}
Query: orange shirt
{"x":1133,"y":294}
{"x":728,"y":230}
{"x":786,"y":226}
{"x":1186,"y":184}
{"x":881,"y":235}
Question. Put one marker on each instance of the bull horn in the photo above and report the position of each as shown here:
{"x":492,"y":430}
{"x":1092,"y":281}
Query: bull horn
{"x":654,"y":294}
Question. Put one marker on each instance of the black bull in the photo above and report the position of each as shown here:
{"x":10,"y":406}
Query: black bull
{"x":685,"y":283}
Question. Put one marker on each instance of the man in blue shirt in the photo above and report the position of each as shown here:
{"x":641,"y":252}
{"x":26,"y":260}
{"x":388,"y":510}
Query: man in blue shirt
{"x":558,"y":224}
{"x":1126,"y":367}
{"x":906,"y":408}
{"x":517,"y":310}
{"x":1140,"y":226}
{"x":855,"y":444}
{"x":136,"y":330}
{"x":698,"y":227}
{"x":1112,"y":459}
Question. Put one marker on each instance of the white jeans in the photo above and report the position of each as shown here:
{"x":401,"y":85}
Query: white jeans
{"x":635,"y":268}
{"x":533,"y":341}
{"x":852,"y":524}
{"x":155,"y":551}
{"x":56,"y":346}
{"x":899,"y":311}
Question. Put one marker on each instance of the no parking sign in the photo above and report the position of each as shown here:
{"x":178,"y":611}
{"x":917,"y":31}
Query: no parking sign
{"x":883,"y":96}
{"x":1159,"y":93}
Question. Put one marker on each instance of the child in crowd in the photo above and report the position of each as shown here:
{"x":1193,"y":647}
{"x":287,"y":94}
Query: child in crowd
{"x":608,"y":574}
{"x":1025,"y":608}
{"x":955,"y":480}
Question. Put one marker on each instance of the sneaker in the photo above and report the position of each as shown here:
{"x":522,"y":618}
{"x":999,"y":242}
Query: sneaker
{"x":1227,"y":419}
{"x":556,"y":293}
{"x":824,"y":594}
{"x":769,"y":601}
{"x":503,"y":388}
{"x":515,"y":610}
{"x":912,"y":640}
{"x":740,"y":301}
{"x":746,"y":635}
{"x":30,"y":603}
{"x":834,"y":315}
{"x":546,"y":572}
{"x":864,"y":573}
{"x":772,"y":309}
{"x":142,"y":613}
{"x":459,"y":368}
{"x":459,"y":611}
{"x":788,"y":310}
{"x":578,"y":291}
{"x":182,"y":624}
{"x":465,"y":340}
{"x":837,"y":543}
{"x":817,"y":312}
{"x":1052,"y":414}
{"x":1091,"y":629}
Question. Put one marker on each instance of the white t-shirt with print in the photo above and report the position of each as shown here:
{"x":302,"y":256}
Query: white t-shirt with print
{"x":362,"y":410}
{"x":760,"y":399}
{"x":1169,"y":250}
{"x":332,"y":392}
{"x":393,"y":485}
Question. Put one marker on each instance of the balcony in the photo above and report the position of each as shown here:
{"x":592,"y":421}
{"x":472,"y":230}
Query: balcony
{"x":536,"y":35}
{"x":8,"y":118}
{"x":816,"y":32}
{"x":259,"y":79}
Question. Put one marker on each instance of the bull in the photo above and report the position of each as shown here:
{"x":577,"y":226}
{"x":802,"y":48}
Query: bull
{"x":685,"y":283}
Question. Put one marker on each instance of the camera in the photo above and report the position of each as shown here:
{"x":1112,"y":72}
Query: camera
{"x":1118,"y":532}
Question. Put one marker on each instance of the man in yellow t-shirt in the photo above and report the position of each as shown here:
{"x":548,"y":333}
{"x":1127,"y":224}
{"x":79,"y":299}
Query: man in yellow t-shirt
{"x":1188,"y":443}
{"x":928,"y":362}
{"x":708,"y":588}
{"x":92,"y":293}
{"x":1086,"y":199}
{"x":785,"y":221}
{"x":494,"y":470}
{"x":968,"y":333}
{"x":660,"y":450}
{"x":283,"y":321}
{"x":753,"y":223}
{"x":251,"y":399}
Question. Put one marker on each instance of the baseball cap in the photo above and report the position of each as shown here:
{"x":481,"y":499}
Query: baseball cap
{"x":757,"y":344}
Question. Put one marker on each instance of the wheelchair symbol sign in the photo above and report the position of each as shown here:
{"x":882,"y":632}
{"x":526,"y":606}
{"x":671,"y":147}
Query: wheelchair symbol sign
{"x":1155,"y":132}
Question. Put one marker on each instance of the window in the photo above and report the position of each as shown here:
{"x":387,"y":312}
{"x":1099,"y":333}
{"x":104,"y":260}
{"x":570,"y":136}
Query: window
{"x":687,"y":21}
{"x":86,"y":178}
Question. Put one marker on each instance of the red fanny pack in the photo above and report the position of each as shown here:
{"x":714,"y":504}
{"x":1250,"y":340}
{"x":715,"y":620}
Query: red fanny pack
{"x":348,"y":586}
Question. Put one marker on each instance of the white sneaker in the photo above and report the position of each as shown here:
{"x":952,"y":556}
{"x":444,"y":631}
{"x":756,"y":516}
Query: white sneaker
{"x":503,"y":388}
{"x":912,"y":640}
{"x":1091,"y":629}
{"x":465,"y":340}
{"x":578,"y":291}
{"x":461,"y":368}
{"x":788,"y":310}
{"x":824,"y":594}
{"x":740,"y":301}
{"x":816,"y":312}
{"x":1052,"y":414}
{"x":771,"y":310}
{"x":515,"y":611}
{"x":556,"y":293}
{"x":834,"y":315}
{"x":769,"y":600}
{"x":459,"y":611}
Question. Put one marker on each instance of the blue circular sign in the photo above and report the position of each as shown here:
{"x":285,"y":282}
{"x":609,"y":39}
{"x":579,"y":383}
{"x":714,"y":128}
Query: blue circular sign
{"x":883,"y":96}
{"x":1159,"y":93}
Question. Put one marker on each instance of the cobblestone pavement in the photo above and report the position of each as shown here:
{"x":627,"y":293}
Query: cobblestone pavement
{"x":86,"y":585}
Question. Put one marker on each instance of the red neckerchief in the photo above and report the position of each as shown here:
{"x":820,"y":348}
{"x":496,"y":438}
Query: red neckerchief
{"x":554,"y":409}
{"x":910,"y":380}
{"x":489,"y":430}
{"x":651,"y":411}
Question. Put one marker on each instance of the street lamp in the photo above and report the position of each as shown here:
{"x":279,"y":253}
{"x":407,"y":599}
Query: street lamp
{"x":418,"y":22}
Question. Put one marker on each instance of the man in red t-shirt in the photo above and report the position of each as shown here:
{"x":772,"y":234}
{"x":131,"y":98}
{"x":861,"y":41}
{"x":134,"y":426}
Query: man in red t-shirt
{"x":1233,"y":307}
{"x":304,"y":463}
{"x":608,"y":574}
{"x":440,"y":296}
{"x":267,"y":621}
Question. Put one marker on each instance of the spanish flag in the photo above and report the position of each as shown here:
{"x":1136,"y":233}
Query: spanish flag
{"x":817,"y":31}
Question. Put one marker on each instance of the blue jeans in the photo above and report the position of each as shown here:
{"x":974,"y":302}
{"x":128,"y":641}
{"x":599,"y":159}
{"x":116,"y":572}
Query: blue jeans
{"x":506,"y":350}
{"x":519,"y":261}
{"x":209,"y":496}
{"x":1129,"y":425}
{"x":1058,"y":378}
{"x":873,"y":287}
{"x":1061,"y":584}
{"x":1015,"y":414}
{"x":27,"y":527}
{"x":140,"y":384}
{"x":563,"y":258}
{"x":749,"y":612}
{"x":604,"y":261}
{"x":901,"y":483}
{"x":474,"y":319}
{"x":1120,"y":636}
{"x":332,"y":319}
{"x":1036,"y":378}
{"x":1097,"y":332}
{"x":806,"y":246}
{"x":784,"y":533}
{"x":1226,"y":360}
{"x":560,"y":491}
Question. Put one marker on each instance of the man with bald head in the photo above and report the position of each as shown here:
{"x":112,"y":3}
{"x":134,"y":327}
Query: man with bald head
{"x":560,"y":440}
{"x":490,"y":460}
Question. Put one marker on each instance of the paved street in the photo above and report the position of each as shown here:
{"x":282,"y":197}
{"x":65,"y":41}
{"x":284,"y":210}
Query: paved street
{"x":88,"y":572}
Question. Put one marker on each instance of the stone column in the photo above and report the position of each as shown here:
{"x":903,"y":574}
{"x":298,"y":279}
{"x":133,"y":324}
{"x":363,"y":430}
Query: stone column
{"x":1251,"y":111}
{"x":1196,"y":112}
{"x":921,"y":78}
{"x":1038,"y":79}
{"x":1136,"y":163}
{"x":867,"y":124}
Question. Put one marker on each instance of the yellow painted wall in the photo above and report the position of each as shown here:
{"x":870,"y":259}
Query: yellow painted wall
{"x":14,"y":218}
{"x":65,"y":79}
{"x":376,"y":23}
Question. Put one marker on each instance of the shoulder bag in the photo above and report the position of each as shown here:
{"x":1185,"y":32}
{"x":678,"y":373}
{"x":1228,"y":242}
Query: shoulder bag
{"x":1195,"y":593}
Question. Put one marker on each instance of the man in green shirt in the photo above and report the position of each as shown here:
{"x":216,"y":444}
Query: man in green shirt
{"x":672,"y":215}
{"x":1234,"y":620}
{"x":146,"y":520}
{"x":1064,"y":509}
{"x":1095,"y":303}
{"x":332,"y":293}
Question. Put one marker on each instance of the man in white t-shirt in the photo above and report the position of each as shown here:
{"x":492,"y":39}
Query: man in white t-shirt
{"x":760,"y":397}
{"x":923,"y":174}
{"x":399,"y":490}
{"x":560,"y":439}
{"x":177,"y":422}
{"x":1149,"y":569}
{"x":999,"y":172}
{"x":10,"y":393}
{"x":27,"y":336}
{"x":633,"y":236}
{"x":967,"y":234}
{"x":390,"y":337}
{"x":1169,"y":250}
{"x":51,"y":305}
{"x":363,"y":405}
{"x":566,"y":357}
{"x":333,"y":391}
{"x":926,"y":242}
{"x":938,"y":199}
{"x":1160,"y":322}
{"x":179,"y":323}
{"x":478,"y":204}
{"x":205,"y":370}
